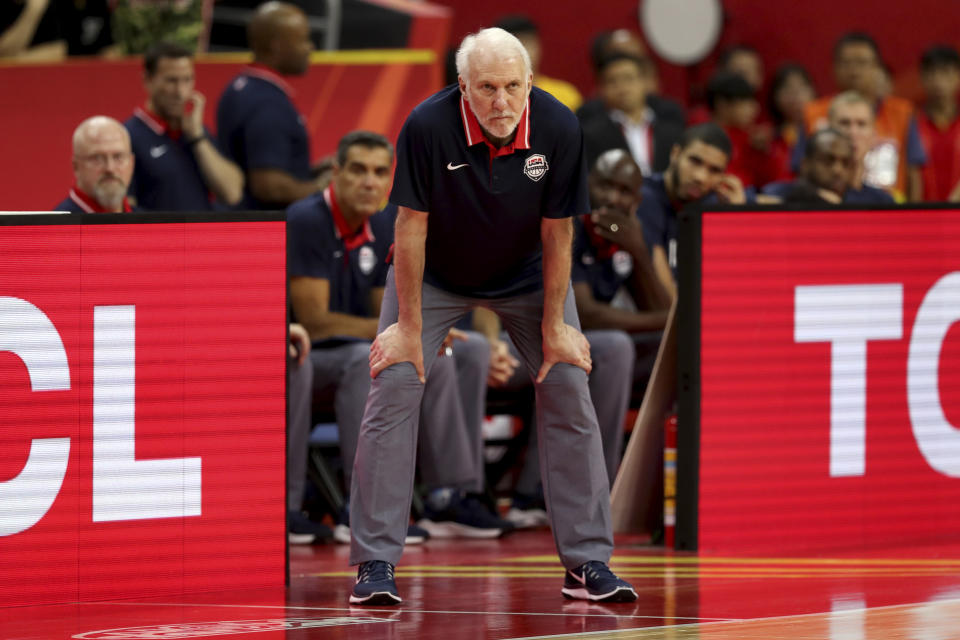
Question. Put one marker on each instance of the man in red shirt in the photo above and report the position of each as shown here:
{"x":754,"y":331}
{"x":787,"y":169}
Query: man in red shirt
{"x":939,"y":123}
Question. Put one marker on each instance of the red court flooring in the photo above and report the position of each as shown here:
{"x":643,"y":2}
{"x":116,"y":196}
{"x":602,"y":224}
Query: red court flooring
{"x":510,"y":588}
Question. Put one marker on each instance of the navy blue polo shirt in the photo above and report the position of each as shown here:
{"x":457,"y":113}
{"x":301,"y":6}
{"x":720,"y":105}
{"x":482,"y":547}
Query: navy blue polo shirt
{"x":659,"y":218}
{"x":599,"y":263}
{"x":260,"y":128}
{"x":166,"y":176}
{"x":485,"y":206}
{"x":79,"y":202}
{"x":320,"y":245}
{"x":866,"y":194}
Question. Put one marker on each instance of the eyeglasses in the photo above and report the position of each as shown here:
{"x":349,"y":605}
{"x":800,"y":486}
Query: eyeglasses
{"x":100,"y":160}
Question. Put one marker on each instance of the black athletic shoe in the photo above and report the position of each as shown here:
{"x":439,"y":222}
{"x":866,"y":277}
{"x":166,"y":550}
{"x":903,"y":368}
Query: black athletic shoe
{"x":465,"y":517}
{"x":594,"y":581}
{"x":375,"y":585}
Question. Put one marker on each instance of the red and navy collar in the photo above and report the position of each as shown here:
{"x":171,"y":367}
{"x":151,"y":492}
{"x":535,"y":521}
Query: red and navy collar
{"x":262,"y":71}
{"x":89,"y":205}
{"x":605,"y":248}
{"x":474,"y":133}
{"x":157,"y":124}
{"x":351,"y":239}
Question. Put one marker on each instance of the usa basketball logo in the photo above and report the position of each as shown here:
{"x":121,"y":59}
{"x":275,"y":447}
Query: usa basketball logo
{"x":535,"y":167}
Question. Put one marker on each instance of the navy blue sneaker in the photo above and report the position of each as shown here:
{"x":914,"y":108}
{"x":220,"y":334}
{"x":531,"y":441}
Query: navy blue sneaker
{"x":464,"y":517}
{"x":594,"y":581}
{"x":375,"y":585}
{"x":303,"y":530}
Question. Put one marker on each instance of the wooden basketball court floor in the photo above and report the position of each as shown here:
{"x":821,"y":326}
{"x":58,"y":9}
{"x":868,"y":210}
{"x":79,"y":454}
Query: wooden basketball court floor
{"x":510,"y":588}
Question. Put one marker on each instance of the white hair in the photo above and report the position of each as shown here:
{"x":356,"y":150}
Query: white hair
{"x":492,"y":39}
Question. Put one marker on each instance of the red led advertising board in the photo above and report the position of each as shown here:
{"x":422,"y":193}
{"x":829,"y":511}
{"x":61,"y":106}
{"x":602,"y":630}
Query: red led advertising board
{"x":142,"y":410}
{"x":819,"y":380}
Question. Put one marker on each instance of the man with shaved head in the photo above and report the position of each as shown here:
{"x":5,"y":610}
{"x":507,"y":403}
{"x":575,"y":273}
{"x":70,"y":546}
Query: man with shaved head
{"x":490,"y":173}
{"x":258,"y":125}
{"x":102,"y":168}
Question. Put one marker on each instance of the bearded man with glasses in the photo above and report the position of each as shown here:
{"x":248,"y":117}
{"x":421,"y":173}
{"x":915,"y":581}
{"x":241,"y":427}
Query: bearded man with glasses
{"x":102,"y":168}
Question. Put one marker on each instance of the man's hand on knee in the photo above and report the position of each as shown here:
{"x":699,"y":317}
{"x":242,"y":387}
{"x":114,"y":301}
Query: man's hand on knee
{"x":394,"y":346}
{"x":565,"y":344}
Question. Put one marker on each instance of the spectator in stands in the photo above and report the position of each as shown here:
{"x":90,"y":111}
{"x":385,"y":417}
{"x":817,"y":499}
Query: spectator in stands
{"x":257,"y":123}
{"x":22,"y":34}
{"x":853,"y":115}
{"x":340,"y":241}
{"x":607,"y":43}
{"x":526,"y":32}
{"x":825,"y":174}
{"x":790,"y":91}
{"x":733,"y":105}
{"x":300,"y":529}
{"x":744,"y":60}
{"x":179,"y":167}
{"x":896,"y":159}
{"x":939,"y":123}
{"x":627,"y":120}
{"x":697,"y":172}
{"x":102,"y":168}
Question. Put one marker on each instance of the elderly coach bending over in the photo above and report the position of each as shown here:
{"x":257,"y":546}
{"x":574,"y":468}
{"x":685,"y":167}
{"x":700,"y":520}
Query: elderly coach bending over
{"x":489,"y":175}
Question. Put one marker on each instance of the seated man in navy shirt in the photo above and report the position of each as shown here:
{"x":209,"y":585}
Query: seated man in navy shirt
{"x":697,"y":171}
{"x":490,"y":173}
{"x":258,"y":125}
{"x":179,"y":168}
{"x":340,"y":245}
{"x":825,"y":172}
{"x":102,"y":167}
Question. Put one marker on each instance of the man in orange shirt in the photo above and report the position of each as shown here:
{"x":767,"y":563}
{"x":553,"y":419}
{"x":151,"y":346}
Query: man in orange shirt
{"x":896,"y":160}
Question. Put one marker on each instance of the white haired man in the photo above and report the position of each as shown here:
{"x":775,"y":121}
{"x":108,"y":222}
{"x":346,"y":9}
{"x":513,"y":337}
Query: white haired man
{"x":495,"y":170}
{"x":102,"y":168}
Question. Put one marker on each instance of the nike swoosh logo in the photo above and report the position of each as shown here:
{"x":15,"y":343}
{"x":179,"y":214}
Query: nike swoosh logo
{"x":581,"y":580}
{"x":454,"y":167}
{"x":156,"y":152}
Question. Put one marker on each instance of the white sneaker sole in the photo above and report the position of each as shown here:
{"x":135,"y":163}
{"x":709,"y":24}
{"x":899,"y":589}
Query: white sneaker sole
{"x":341,"y":534}
{"x":620,"y":594}
{"x":457,"y":530}
{"x":527,"y":519}
{"x":379,"y":598}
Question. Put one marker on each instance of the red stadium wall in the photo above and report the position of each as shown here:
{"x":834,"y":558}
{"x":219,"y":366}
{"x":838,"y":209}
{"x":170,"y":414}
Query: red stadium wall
{"x":42,"y":104}
{"x":781,"y":31}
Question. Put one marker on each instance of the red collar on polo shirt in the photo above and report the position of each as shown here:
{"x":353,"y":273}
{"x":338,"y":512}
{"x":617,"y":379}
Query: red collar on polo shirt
{"x":264,"y":72}
{"x":89,"y":205}
{"x":351,"y":239}
{"x":474,"y":133}
{"x":159,"y":126}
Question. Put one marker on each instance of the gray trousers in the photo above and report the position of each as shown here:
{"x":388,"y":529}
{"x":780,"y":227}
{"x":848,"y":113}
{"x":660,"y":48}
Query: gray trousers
{"x":576,"y":489}
{"x":447,"y":453}
{"x":610,"y":383}
{"x":299,"y":383}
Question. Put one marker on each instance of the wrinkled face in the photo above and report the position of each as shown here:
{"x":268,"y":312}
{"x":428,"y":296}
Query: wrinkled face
{"x":617,"y":188}
{"x":497,"y":91}
{"x":170,"y":86}
{"x":362,"y":182}
{"x":941,"y":82}
{"x":855,"y":68}
{"x":831,"y":166}
{"x":696,"y":170}
{"x":792,"y":96}
{"x":103,"y":165}
{"x":749,"y":66}
{"x":624,"y":86}
{"x":293,"y":45}
{"x":856,"y":121}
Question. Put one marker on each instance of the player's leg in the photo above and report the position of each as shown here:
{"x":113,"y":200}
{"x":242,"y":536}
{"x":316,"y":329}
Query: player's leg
{"x":611,"y":382}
